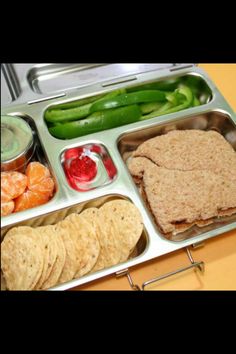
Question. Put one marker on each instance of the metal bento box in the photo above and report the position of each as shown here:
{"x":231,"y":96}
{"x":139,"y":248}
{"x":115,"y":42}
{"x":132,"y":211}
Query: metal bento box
{"x":29,"y":90}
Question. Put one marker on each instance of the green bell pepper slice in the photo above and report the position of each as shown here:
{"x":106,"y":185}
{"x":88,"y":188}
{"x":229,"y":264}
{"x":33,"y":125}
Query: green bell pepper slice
{"x":97,"y":122}
{"x":74,"y":110}
{"x":129,"y":99}
{"x":186,"y":101}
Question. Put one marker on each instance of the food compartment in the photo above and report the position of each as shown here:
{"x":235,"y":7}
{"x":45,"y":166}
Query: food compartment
{"x":27,"y":180}
{"x":211,"y":171}
{"x":126,"y":105}
{"x":105,"y":232}
{"x":88,"y":167}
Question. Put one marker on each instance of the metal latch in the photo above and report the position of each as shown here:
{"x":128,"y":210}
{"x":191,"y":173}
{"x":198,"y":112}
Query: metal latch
{"x":126,"y":272}
{"x":198,"y":265}
{"x":198,"y":244}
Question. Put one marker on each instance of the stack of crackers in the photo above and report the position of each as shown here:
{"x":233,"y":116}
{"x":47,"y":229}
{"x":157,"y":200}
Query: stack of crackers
{"x":46,"y":256}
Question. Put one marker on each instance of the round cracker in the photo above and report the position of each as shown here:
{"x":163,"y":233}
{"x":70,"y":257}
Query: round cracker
{"x":107,"y":236}
{"x":87,"y":244}
{"x":59,"y":263}
{"x":22,"y":258}
{"x":55,"y":217}
{"x":47,"y":235}
{"x":129,"y":224}
{"x":19,"y":230}
{"x":71,"y":260}
{"x":91,"y":215}
{"x":120,"y":227}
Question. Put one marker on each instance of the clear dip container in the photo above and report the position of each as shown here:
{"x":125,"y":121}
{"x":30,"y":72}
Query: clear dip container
{"x":17,"y":143}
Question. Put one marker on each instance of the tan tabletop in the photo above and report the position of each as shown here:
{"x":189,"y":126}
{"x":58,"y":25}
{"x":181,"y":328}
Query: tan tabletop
{"x":218,"y":254}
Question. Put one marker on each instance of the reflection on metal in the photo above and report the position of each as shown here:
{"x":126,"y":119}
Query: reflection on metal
{"x":119,"y":81}
{"x":11,"y":80}
{"x":176,"y":67}
{"x":46,"y":99}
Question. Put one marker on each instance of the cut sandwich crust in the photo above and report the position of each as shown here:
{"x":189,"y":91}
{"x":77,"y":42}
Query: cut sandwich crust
{"x":188,"y":150}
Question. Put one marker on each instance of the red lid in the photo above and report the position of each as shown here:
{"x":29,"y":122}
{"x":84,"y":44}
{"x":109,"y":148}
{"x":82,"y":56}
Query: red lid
{"x":81,"y":168}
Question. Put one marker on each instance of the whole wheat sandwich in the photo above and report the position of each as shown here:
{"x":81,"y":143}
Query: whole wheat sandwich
{"x":186,"y":177}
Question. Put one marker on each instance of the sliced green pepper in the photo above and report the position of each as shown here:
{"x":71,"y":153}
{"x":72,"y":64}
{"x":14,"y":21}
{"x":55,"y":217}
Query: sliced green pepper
{"x":66,"y":115}
{"x":97,"y":122}
{"x":128,"y":99}
{"x":58,"y":115}
{"x":188,"y":102}
{"x":196,"y":102}
{"x":150,"y":107}
{"x":165,"y":107}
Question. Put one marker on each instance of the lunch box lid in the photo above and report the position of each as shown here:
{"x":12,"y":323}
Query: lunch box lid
{"x":35,"y":82}
{"x":67,"y":77}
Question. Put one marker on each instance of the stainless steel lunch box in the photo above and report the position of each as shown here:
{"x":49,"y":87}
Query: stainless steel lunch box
{"x":29,"y":89}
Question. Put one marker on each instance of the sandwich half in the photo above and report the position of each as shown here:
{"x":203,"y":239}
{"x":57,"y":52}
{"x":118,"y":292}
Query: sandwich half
{"x":186,"y":178}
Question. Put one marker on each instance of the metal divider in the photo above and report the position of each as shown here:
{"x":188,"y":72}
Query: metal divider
{"x":12,"y":81}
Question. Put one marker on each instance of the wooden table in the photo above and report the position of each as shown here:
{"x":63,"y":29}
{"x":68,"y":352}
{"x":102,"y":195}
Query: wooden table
{"x":218,"y":254}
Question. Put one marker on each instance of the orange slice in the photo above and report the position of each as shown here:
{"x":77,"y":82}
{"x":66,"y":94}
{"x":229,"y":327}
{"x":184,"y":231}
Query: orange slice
{"x":29,"y":200}
{"x":13,"y":184}
{"x":7,"y":207}
{"x":39,"y":179}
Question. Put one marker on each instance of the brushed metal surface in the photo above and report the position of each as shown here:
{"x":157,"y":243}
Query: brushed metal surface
{"x":34,"y":82}
{"x":123,"y":185}
{"x":6,"y":97}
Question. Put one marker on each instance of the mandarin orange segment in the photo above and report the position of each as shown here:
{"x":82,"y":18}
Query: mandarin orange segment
{"x":28,"y":191}
{"x":5,"y":196}
{"x":7,"y":208}
{"x":36,"y":172}
{"x":13,"y":184}
{"x":46,"y":186}
{"x":39,"y":179}
{"x":29,"y":200}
